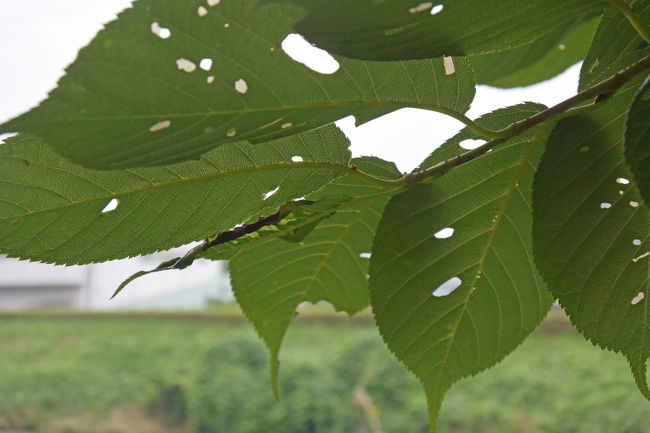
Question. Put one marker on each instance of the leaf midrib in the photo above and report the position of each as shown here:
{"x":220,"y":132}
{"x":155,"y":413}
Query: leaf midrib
{"x":344,"y":169}
{"x":495,"y":226}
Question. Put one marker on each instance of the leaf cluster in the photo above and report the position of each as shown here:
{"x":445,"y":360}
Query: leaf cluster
{"x":186,"y":121}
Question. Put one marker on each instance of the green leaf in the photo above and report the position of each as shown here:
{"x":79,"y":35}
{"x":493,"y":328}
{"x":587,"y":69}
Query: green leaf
{"x":615,"y":45}
{"x":398,"y":30}
{"x":637,"y":141}
{"x":590,"y":231}
{"x":545,"y":58}
{"x":499,"y":299}
{"x":271,"y":277}
{"x":51,"y":209}
{"x":591,"y":234}
{"x":126,"y":103}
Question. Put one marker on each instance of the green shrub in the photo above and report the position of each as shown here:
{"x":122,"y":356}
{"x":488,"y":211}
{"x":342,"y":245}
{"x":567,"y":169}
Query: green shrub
{"x":231,"y":398}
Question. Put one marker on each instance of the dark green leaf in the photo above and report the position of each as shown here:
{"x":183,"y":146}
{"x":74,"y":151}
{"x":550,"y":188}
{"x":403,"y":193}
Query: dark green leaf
{"x":637,"y":141}
{"x":397,"y":30}
{"x":591,"y":234}
{"x":615,"y":45}
{"x":51,"y":209}
{"x":271,"y":277}
{"x":543,"y":59}
{"x":126,"y":102}
{"x":499,"y":298}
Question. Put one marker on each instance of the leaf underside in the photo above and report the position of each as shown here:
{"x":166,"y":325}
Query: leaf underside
{"x":637,"y":141}
{"x":271,"y":277}
{"x":125,"y":102}
{"x":501,"y":298}
{"x":543,"y":59}
{"x":51,"y":209}
{"x":591,"y":231}
{"x":398,"y":30}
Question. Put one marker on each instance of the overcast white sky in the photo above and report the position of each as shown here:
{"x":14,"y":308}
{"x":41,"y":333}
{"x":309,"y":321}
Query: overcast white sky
{"x":39,"y":38}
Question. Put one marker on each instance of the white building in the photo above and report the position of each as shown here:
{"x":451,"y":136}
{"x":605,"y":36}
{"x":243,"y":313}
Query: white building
{"x":28,"y":285}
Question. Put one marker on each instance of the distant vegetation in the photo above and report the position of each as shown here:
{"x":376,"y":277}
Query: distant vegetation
{"x":151,"y":373}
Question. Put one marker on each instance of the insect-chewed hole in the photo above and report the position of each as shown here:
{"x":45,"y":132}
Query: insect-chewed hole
{"x":241,"y":86}
{"x":161,"y":32}
{"x":205,"y":64}
{"x":437,"y":9}
{"x":470,"y":144}
{"x":445,"y":233}
{"x":622,"y":181}
{"x":365,"y":255}
{"x":425,"y":6}
{"x":605,"y":205}
{"x":447,"y":287}
{"x":111,"y":206}
{"x":638,"y":298}
{"x":636,"y":242}
{"x":160,"y":126}
{"x":185,"y":65}
{"x":297,"y":158}
{"x":316,"y":59}
{"x":270,"y":193}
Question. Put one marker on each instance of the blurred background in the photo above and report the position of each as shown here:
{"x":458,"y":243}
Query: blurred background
{"x":172,"y":353}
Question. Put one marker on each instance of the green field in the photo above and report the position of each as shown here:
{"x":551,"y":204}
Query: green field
{"x":208,"y":373}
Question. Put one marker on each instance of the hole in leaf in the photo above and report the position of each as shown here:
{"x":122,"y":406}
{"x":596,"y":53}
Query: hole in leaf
{"x":186,"y":65}
{"x":605,"y":205}
{"x":436,"y":9}
{"x":287,"y":125}
{"x":445,"y":233}
{"x":634,"y":203}
{"x":160,"y":126}
{"x":638,"y":298}
{"x":161,"y":32}
{"x":365,"y":255}
{"x":202,"y":11}
{"x":226,"y":25}
{"x":636,"y":242}
{"x":210,"y":79}
{"x":205,"y":64}
{"x":297,"y":158}
{"x":270,"y":193}
{"x":111,"y":206}
{"x":561,"y":47}
{"x":421,"y":7}
{"x":241,"y":86}
{"x":316,"y":59}
{"x":642,"y":256}
{"x":447,"y":287}
{"x":622,"y":181}
{"x":231,"y":132}
{"x":470,"y":144}
{"x":213,"y":2}
{"x":448,"y":63}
